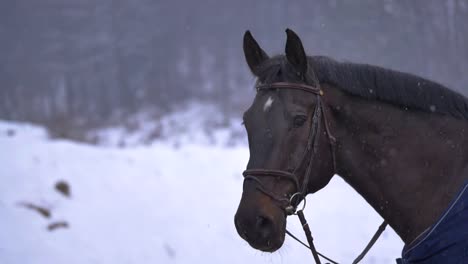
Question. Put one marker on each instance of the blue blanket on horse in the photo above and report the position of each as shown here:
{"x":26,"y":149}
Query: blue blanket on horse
{"x":447,"y":240}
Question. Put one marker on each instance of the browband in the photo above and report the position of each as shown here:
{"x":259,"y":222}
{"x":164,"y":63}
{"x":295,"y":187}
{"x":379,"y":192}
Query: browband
{"x":286,"y":85}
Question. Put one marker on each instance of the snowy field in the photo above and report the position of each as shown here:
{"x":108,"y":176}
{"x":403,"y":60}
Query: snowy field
{"x":162,"y":203}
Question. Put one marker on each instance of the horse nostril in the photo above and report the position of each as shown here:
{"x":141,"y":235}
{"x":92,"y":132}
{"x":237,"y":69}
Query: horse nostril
{"x":264,"y":226}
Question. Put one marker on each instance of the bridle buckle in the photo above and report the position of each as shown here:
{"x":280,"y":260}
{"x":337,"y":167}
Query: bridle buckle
{"x":291,"y":209}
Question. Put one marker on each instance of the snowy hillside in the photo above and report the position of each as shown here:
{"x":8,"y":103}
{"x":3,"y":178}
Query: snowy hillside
{"x":155,"y":204}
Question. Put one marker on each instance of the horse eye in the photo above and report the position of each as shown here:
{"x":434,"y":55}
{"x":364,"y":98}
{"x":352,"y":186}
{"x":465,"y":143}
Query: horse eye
{"x":299,"y":120}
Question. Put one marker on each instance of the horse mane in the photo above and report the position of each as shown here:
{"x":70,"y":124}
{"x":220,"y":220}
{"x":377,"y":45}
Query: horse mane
{"x":376,"y":83}
{"x":398,"y":88}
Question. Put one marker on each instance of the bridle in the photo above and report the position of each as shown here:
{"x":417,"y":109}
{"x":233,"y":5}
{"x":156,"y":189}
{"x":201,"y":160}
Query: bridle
{"x":289,"y":204}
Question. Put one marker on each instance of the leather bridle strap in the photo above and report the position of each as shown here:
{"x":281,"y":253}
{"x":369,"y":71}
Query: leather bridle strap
{"x":273,"y":173}
{"x":309,"y":151}
{"x":290,"y":86}
{"x":371,"y":242}
{"x":305,"y":245}
{"x":286,"y":204}
{"x":318,"y":113}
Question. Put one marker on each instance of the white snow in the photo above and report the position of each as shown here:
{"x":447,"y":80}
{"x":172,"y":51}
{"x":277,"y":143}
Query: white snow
{"x":194,"y":122}
{"x":156,"y":204}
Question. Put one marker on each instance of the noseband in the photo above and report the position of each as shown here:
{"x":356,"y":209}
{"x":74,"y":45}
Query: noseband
{"x":289,"y":204}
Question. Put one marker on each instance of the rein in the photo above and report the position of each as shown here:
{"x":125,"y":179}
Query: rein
{"x":289,"y":205}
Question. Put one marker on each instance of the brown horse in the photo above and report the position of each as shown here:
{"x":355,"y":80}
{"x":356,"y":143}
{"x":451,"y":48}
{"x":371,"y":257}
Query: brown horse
{"x":399,"y":140}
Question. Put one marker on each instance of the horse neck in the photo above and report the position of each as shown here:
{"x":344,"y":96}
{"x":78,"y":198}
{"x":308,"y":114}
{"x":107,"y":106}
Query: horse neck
{"x":407,"y":165}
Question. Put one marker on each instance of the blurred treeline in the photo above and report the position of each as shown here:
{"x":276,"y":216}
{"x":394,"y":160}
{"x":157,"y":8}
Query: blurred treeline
{"x":92,"y":61}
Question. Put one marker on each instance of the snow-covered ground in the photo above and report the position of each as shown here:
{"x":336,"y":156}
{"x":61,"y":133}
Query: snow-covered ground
{"x":161,"y":203}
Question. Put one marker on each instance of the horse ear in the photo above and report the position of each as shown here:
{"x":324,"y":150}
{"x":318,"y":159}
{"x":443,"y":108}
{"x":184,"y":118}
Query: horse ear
{"x":295,"y":52}
{"x":254,"y":55}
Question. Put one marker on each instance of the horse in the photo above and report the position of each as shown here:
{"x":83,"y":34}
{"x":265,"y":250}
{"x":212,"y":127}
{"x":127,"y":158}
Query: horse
{"x":401,"y":141}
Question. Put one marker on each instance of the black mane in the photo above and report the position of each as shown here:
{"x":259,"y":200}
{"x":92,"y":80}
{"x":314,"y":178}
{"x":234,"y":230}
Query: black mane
{"x":377,"y":83}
